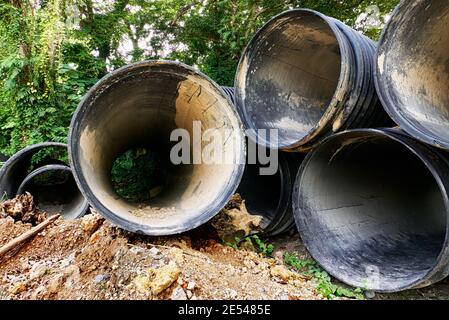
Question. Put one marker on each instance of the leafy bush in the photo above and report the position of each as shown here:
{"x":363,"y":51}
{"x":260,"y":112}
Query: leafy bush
{"x":51,"y":54}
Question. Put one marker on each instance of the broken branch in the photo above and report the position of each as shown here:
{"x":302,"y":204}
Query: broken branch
{"x":27,"y":235}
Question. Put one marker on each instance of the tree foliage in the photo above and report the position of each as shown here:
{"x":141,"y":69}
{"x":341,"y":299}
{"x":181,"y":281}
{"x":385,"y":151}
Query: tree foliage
{"x":52,"y":51}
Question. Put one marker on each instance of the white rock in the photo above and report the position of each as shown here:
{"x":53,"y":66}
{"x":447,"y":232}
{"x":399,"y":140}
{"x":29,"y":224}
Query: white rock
{"x":191,"y":285}
{"x":38,"y":270}
{"x":154,"y":251}
{"x":178,"y":294}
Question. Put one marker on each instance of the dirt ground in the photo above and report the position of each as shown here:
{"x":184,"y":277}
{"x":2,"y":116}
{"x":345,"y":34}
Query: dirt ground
{"x":91,"y":259}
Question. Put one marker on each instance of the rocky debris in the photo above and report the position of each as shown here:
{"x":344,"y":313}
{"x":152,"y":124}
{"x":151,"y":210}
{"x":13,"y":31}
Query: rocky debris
{"x":191,"y":285}
{"x":178,"y":294}
{"x":22,"y":208}
{"x":102,"y":278}
{"x":38,"y":270}
{"x":55,"y":283}
{"x":283,"y":274}
{"x":158,"y":279}
{"x":72,"y":276}
{"x":234,"y":221}
{"x":91,"y":222}
{"x":18,"y":288}
{"x":177,"y":254}
{"x":155,"y":253}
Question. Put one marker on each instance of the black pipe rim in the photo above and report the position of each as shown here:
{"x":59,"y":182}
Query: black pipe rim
{"x":73,"y":150}
{"x":330,"y":109}
{"x":440,"y":268}
{"x":385,"y":95}
{"x":32,"y":149}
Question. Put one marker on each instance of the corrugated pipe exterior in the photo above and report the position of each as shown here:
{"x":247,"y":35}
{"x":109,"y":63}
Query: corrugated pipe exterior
{"x":412,"y":73}
{"x":230,"y":93}
{"x":139,"y":106}
{"x":371,"y":206}
{"x":55,"y":191}
{"x":270,"y":196}
{"x":307,"y":75}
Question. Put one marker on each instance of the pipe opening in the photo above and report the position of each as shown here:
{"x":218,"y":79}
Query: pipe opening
{"x":371,"y":212}
{"x":289,"y":75}
{"x":55,"y":191}
{"x":139,"y":175}
{"x":262,"y":193}
{"x":413,"y":69}
{"x":139,"y":106}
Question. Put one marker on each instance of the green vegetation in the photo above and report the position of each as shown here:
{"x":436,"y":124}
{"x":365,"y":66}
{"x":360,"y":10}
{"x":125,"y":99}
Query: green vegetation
{"x":325,"y":286}
{"x":265,"y":249}
{"x":253,"y":243}
{"x":138,"y":175}
{"x":53,"y":51}
{"x":308,"y":268}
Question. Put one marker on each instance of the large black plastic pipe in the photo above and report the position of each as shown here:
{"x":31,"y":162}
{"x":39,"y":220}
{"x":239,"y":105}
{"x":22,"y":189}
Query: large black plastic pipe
{"x":55,"y":191}
{"x":372,"y":208}
{"x":412,"y":73}
{"x":270,"y":196}
{"x":16,"y":168}
{"x":139,"y":106}
{"x":307,"y":75}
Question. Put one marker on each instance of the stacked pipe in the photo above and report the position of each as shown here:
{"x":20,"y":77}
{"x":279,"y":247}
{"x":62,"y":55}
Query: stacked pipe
{"x":371,"y":205}
{"x":306,"y":75}
{"x":47,"y":178}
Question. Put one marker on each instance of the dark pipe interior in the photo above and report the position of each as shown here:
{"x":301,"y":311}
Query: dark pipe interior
{"x":289,"y":75}
{"x":262,"y":193}
{"x":371,"y":202}
{"x":139,"y":107}
{"x":55,"y":191}
{"x":413,"y":66}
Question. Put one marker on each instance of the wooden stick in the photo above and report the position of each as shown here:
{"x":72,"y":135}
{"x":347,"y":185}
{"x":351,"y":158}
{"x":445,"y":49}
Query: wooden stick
{"x":27,"y":235}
